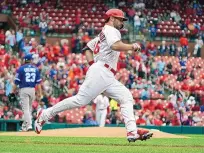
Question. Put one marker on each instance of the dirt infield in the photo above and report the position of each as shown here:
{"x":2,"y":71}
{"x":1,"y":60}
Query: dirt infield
{"x":89,"y":132}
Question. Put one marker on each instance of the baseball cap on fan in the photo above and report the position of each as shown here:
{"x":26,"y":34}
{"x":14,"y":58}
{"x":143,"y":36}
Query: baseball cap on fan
{"x":115,"y":13}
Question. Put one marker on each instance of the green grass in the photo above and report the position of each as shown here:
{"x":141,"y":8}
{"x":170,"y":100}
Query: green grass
{"x":18,"y":144}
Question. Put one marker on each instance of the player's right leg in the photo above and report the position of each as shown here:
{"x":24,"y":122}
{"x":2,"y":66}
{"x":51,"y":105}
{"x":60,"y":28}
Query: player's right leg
{"x":93,"y":85}
{"x":24,"y":101}
{"x":123,"y":96}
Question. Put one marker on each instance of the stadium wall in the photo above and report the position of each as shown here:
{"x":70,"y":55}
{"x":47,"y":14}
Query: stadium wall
{"x":14,"y":125}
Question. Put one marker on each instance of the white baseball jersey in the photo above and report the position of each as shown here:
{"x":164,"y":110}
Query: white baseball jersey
{"x":102,"y":102}
{"x":101,"y":46}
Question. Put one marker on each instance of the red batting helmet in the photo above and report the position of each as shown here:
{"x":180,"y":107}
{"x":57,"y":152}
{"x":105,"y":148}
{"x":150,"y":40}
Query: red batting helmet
{"x":116,"y":13}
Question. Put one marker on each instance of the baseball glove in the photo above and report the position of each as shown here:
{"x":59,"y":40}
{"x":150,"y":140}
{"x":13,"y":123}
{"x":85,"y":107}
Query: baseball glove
{"x":12,"y":97}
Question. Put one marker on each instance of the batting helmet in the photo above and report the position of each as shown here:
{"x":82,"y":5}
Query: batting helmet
{"x":116,"y":13}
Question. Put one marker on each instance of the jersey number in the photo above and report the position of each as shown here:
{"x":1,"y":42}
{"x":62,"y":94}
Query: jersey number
{"x":96,"y":50}
{"x":30,"y":77}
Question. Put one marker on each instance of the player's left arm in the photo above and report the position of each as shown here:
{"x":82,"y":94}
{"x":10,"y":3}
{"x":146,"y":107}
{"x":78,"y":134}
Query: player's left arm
{"x":38,"y":83}
{"x":17,"y":81}
{"x":39,"y":89}
{"x":89,"y":55}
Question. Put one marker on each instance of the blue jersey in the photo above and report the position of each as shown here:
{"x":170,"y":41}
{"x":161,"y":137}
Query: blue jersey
{"x":27,"y":75}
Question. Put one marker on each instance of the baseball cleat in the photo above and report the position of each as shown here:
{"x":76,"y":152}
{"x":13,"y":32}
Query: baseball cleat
{"x":141,"y":135}
{"x":39,"y":122}
{"x":25,"y":129}
{"x":29,"y":129}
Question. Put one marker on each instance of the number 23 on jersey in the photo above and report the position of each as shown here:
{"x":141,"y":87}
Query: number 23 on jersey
{"x":30,"y":77}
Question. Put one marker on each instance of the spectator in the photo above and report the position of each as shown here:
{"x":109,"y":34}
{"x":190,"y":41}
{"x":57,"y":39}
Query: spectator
{"x":157,"y":120}
{"x":91,"y":29}
{"x":88,"y":119}
{"x":141,"y":70}
{"x":140,"y":121}
{"x":85,"y":39}
{"x":43,"y":26}
{"x":2,"y":37}
{"x":189,"y":121}
{"x":169,"y":68}
{"x":143,"y":19}
{"x":2,"y":50}
{"x":162,"y":48}
{"x":141,"y":5}
{"x":77,"y":20}
{"x":37,"y":2}
{"x":177,"y":17}
{"x":173,"y":48}
{"x":145,"y":94}
{"x":59,"y":4}
{"x":2,"y":82}
{"x":121,"y":4}
{"x":160,"y":66}
{"x":202,"y":108}
{"x":153,"y":31}
{"x":183,"y":64}
{"x":66,"y":22}
{"x":199,"y":44}
{"x":19,"y":37}
{"x":191,"y":101}
{"x":137,"y":23}
{"x":11,"y":40}
{"x":151,"y":48}
{"x":25,"y":46}
{"x":131,"y":14}
{"x":43,"y":16}
{"x":184,"y":41}
{"x":159,"y":88}
{"x":23,"y":3}
{"x":8,"y":85}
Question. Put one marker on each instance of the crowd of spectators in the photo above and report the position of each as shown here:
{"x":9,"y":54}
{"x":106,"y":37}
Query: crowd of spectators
{"x":63,"y":68}
{"x":146,"y":15}
{"x":166,"y":79}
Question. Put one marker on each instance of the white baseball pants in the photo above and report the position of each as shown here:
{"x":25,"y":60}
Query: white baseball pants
{"x":98,"y":79}
{"x":101,"y":117}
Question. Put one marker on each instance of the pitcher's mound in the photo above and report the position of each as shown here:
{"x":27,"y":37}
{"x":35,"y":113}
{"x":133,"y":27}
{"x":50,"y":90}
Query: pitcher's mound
{"x":90,"y":132}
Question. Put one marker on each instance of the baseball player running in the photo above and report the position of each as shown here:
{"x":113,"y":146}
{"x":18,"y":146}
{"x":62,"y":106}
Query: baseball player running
{"x":100,"y":78}
{"x":102,"y":103}
{"x":27,"y":77}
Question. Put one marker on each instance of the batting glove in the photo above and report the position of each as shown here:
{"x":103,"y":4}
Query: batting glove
{"x":136,"y":47}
